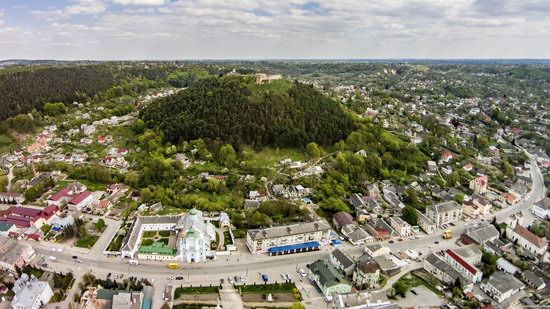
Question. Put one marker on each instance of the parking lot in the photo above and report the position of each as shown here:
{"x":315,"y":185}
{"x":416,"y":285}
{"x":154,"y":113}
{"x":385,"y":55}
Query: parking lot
{"x":424,"y":298}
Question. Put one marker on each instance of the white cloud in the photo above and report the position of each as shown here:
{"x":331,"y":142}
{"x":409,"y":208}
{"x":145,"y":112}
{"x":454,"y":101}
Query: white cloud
{"x":162,"y":29}
{"x":140,"y":2}
{"x":80,"y":7}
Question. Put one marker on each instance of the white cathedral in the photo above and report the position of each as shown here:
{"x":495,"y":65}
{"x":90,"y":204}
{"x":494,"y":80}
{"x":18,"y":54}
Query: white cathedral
{"x":195,"y":236}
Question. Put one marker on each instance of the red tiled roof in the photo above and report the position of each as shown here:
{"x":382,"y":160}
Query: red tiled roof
{"x":61,"y":193}
{"x":460,"y":261}
{"x":530,"y":237}
{"x":49,"y":210}
{"x":18,"y":222}
{"x":79,"y":198}
{"x":25,"y":212}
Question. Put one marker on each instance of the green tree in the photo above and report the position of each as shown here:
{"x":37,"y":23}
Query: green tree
{"x":401,"y":288}
{"x":54,"y":109}
{"x":100,"y":225}
{"x":227,"y":156}
{"x":412,"y":198}
{"x":312,"y":151}
{"x":410,"y":215}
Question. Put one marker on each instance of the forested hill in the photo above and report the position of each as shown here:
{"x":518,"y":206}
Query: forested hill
{"x":234,"y":110}
{"x":24,"y":90}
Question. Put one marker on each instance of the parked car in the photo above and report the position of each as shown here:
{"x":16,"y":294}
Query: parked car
{"x":179,"y":278}
{"x":265,"y":278}
{"x":222,"y":281}
{"x":302,"y":272}
{"x":414,"y":292}
{"x":242,"y":279}
{"x":231,"y":280}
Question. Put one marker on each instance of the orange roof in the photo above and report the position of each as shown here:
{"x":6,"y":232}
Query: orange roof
{"x":530,"y":237}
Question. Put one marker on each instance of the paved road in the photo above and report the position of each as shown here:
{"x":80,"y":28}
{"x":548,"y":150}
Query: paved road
{"x":243,"y":263}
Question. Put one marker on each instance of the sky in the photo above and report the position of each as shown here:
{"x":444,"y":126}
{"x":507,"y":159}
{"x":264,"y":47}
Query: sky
{"x":273,"y":29}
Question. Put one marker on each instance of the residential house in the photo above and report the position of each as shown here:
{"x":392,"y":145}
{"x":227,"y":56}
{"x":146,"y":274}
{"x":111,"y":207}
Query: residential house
{"x":479,"y":235}
{"x":541,"y":208}
{"x":444,"y":213}
{"x":80,"y":201}
{"x":446,"y":156}
{"x":374,"y":191}
{"x":341,"y":219}
{"x":439,"y":268}
{"x":533,"y":280}
{"x":432,"y":167}
{"x":470,"y":253}
{"x":504,"y":265}
{"x":427,"y":225}
{"x":467,"y":270}
{"x":356,"y":201}
{"x":14,"y":254}
{"x":30,"y":293}
{"x":366,"y":273}
{"x":342,"y":261}
{"x":479,"y":184}
{"x":501,"y":286}
{"x":376,"y":250}
{"x":392,"y":199}
{"x":402,"y":227}
{"x":355,"y":234}
{"x":328,"y":279}
{"x":525,"y":238}
{"x":387,"y":265}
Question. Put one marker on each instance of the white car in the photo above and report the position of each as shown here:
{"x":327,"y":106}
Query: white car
{"x":170,"y":278}
{"x":283,"y":276}
{"x":302,"y":272}
{"x":242,"y":279}
{"x":231,"y":280}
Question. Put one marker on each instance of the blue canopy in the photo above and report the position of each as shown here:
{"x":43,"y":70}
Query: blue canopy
{"x":306,"y":245}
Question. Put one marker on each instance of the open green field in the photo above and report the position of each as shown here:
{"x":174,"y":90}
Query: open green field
{"x":269,"y":288}
{"x":86,"y":242}
{"x":195,"y":290}
{"x":91,"y":186}
{"x":269,"y":157}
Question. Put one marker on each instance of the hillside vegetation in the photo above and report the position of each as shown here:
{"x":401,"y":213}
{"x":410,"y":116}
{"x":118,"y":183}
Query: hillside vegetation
{"x":233,"y":110}
{"x":25,"y":90}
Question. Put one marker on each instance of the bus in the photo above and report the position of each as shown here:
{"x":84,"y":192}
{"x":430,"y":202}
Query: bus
{"x":174,"y":265}
{"x":133,"y":262}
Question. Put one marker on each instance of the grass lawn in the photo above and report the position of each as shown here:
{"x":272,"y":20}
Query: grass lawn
{"x":270,"y":157}
{"x":116,"y":243}
{"x":86,"y":242}
{"x":149,"y":234}
{"x":269,"y":288}
{"x":195,"y":290}
{"x":91,"y":186}
{"x":169,"y":210}
{"x":147,"y":242}
{"x":164,"y":233}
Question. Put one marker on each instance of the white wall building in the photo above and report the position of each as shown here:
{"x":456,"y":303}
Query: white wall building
{"x":261,"y":240}
{"x":541,"y":208}
{"x":444,"y":213}
{"x":501,"y":286}
{"x":30,"y":293}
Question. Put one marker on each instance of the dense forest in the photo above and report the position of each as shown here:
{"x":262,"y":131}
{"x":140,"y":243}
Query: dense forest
{"x":25,"y":90}
{"x":234,"y":110}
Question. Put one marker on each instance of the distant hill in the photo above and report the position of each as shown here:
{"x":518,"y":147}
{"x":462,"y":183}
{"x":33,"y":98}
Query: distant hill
{"x":234,"y":110}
